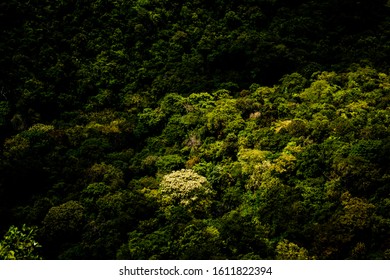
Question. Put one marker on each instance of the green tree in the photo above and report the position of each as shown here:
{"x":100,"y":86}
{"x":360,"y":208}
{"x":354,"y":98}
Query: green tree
{"x":63,"y":221}
{"x":20,"y":244}
{"x":286,"y":250}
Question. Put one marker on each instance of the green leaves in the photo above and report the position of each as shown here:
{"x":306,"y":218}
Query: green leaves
{"x":104,"y":105}
{"x":286,"y":250}
{"x":64,"y":221}
{"x":19,"y":244}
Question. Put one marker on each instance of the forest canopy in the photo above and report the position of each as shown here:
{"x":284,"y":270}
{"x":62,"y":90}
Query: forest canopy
{"x":195,"y":130}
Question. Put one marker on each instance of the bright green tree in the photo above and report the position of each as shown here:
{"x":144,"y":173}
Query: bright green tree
{"x":19,"y":244}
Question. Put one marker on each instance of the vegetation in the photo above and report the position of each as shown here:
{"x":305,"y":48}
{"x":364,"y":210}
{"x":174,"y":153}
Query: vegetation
{"x":195,"y":130}
{"x":19,"y":244}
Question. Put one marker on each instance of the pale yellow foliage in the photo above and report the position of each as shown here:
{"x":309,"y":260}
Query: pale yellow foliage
{"x":255,"y":115}
{"x":186,"y":188}
{"x":282,"y":124}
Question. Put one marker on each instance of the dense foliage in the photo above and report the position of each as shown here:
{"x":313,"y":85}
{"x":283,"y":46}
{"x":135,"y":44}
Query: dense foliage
{"x":195,"y":130}
{"x":19,"y":244}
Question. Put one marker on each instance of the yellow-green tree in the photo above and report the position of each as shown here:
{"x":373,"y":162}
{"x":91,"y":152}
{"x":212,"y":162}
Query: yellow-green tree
{"x":185,"y":188}
{"x":19,"y":244}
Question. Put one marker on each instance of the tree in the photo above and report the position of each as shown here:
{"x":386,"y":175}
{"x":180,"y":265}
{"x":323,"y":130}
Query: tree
{"x":63,"y":221}
{"x":187,"y":189}
{"x":286,"y":250}
{"x":19,"y":244}
{"x":225,"y":118}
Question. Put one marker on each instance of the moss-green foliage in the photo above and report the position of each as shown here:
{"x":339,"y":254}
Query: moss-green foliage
{"x":196,"y":130}
{"x":289,"y":251}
